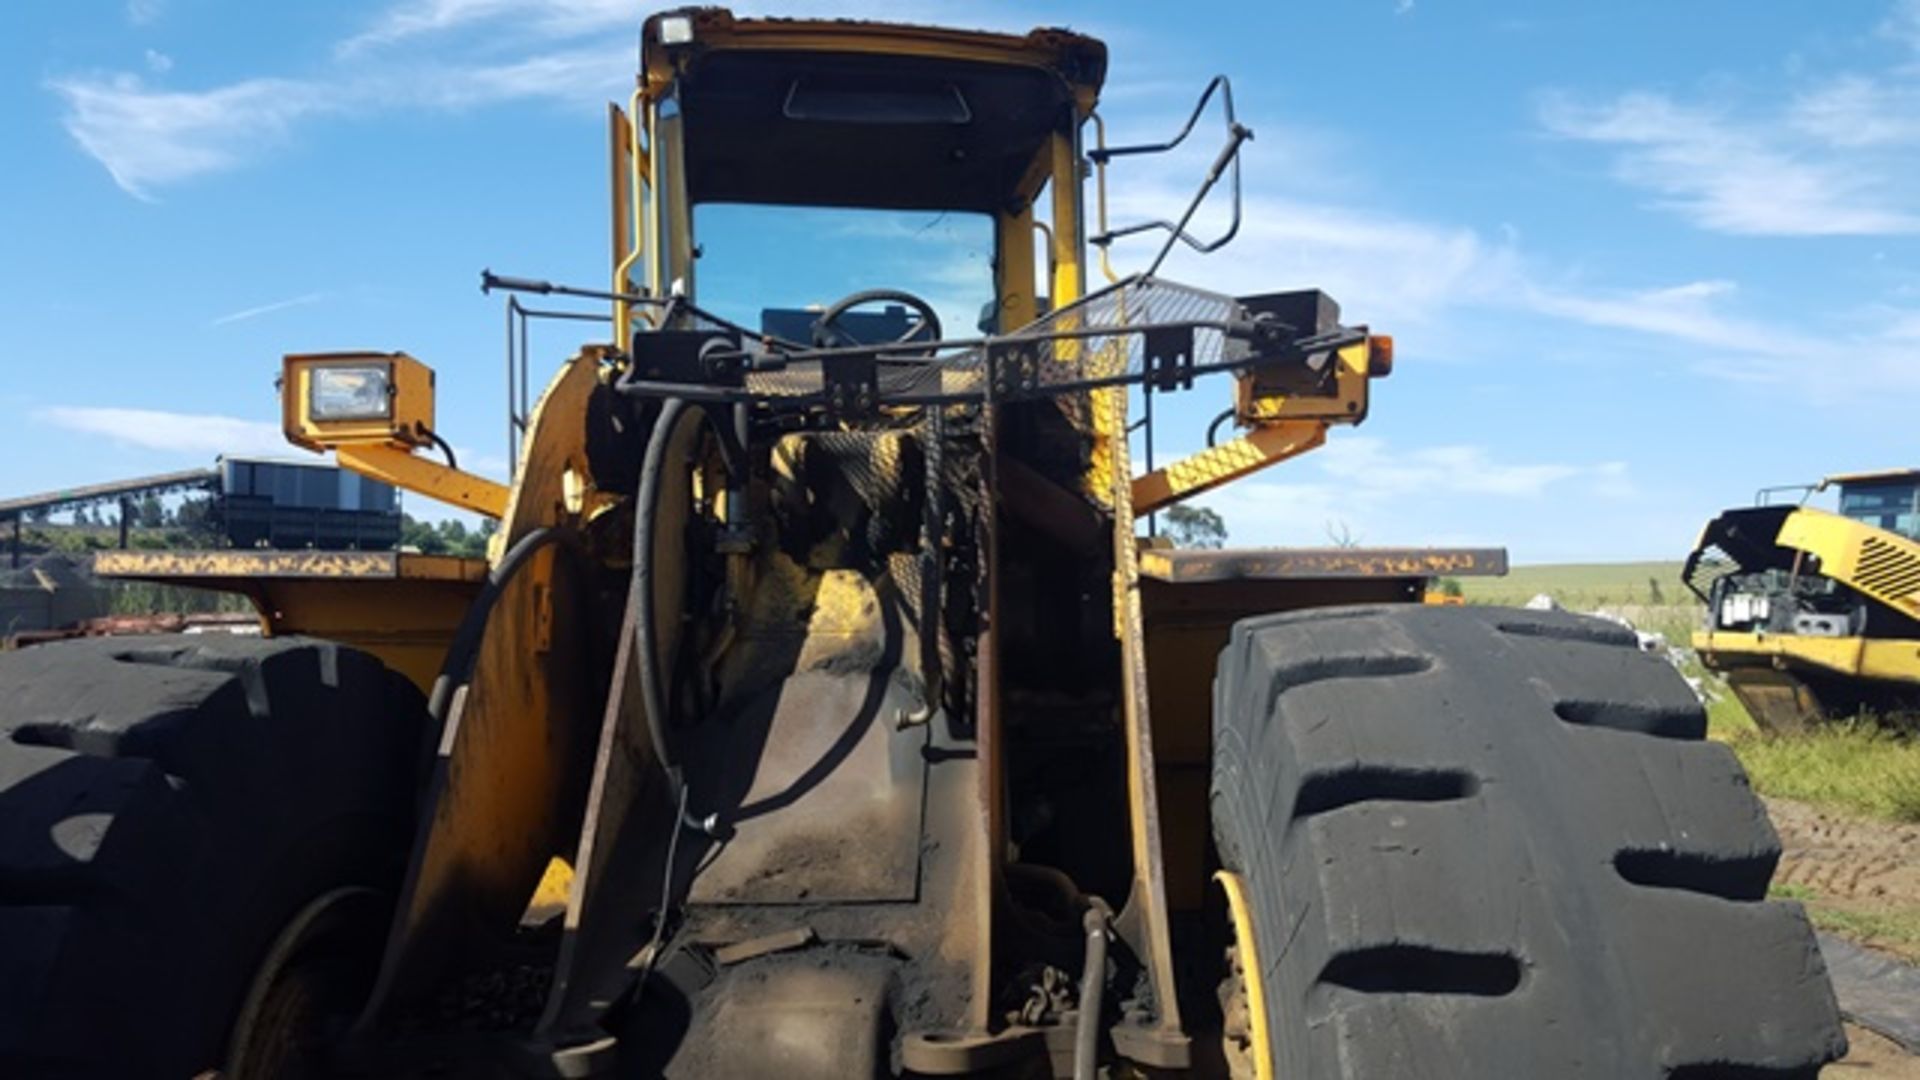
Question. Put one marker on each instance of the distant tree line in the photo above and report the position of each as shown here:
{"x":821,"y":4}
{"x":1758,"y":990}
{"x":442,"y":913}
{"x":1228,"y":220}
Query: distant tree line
{"x":446,"y":537}
{"x":188,"y":524}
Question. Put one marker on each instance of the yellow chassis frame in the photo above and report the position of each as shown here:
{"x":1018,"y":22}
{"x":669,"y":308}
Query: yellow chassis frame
{"x":1890,"y":659}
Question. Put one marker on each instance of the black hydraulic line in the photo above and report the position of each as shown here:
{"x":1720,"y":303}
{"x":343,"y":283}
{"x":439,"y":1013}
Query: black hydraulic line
{"x":734,"y":439}
{"x":651,"y":698}
{"x":465,"y":648}
{"x":658,"y":939}
{"x":1093,"y":981}
{"x":1213,"y":429}
{"x":445,"y":447}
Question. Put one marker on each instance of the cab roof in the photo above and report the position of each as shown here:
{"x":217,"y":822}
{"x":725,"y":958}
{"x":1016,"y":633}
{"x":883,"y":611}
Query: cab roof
{"x":842,"y":113}
{"x":1880,"y":476}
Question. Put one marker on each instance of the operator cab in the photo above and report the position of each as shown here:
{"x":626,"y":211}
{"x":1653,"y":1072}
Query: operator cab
{"x":1885,"y":500}
{"x":880,"y":166}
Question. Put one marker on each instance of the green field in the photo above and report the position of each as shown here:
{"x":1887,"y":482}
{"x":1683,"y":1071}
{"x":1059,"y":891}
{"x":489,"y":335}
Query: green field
{"x":1583,"y":586}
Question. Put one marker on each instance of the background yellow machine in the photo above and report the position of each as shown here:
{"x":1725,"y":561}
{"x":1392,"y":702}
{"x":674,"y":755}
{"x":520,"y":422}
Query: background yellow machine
{"x":821,"y":711}
{"x":1814,"y":614}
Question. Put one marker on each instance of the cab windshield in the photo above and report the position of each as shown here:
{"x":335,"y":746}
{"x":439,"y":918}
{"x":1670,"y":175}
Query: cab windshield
{"x":1893,"y":506}
{"x":776,"y":268}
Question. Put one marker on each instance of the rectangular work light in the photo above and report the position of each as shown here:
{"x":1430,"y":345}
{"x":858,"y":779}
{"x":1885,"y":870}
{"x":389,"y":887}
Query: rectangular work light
{"x":351,"y":392}
{"x":330,"y":400}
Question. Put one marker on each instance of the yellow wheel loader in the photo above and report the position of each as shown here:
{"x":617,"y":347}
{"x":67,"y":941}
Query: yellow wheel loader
{"x":821,"y":711}
{"x":1814,"y":615}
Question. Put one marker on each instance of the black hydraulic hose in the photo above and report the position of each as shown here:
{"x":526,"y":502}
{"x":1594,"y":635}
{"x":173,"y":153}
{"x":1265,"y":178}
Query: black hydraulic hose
{"x":1093,"y":982}
{"x":1213,"y":429}
{"x":645,"y":634}
{"x":445,"y":447}
{"x":465,"y":647}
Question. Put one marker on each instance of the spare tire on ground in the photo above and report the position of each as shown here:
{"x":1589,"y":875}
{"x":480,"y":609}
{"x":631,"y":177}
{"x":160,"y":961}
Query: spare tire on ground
{"x":1480,"y":842}
{"x":168,"y":805}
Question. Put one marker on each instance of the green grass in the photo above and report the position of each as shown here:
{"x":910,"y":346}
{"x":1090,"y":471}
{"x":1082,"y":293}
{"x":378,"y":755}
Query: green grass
{"x":1898,"y":931}
{"x":1895,"y":929}
{"x":1856,"y":766}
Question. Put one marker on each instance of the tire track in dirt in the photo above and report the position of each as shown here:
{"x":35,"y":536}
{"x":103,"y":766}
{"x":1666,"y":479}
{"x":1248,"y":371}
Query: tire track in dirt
{"x":1850,"y":864}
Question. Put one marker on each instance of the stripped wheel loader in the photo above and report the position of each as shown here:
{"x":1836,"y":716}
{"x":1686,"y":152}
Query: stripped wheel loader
{"x":827,"y":690}
{"x":1814,"y":615}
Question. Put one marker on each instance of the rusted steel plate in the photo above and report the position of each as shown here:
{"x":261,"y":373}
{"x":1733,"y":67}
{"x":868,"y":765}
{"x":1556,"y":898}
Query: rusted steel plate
{"x":1162,"y":564}
{"x":214,"y":564}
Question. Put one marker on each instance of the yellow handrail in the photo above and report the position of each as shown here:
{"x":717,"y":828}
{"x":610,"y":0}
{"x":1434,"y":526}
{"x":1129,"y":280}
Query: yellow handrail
{"x":623,"y":310}
{"x":1100,"y":187}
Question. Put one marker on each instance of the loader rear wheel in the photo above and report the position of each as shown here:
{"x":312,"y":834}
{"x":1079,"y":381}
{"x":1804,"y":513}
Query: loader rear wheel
{"x":1481,"y":842}
{"x":171,"y":808}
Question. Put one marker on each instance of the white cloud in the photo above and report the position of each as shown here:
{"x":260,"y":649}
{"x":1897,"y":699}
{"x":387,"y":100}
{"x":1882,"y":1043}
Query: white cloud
{"x":1371,"y":467}
{"x":1902,"y":24}
{"x":1396,"y":272}
{"x":1726,"y":176}
{"x":1876,"y":348}
{"x":1384,"y":267}
{"x":158,"y":62}
{"x":585,"y":76}
{"x":1372,"y":492}
{"x":145,"y":12}
{"x":1685,"y":313}
{"x":1859,"y":111}
{"x":267,"y":309}
{"x":148,"y":137}
{"x":555,"y":19}
{"x":417,"y":18}
{"x":1902,"y":326}
{"x":171,"y":432}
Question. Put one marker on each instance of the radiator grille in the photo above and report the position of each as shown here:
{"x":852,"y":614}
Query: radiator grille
{"x":1889,"y":572}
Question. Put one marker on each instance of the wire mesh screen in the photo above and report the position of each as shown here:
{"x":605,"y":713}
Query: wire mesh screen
{"x":1101,"y":338}
{"x":1123,"y":309}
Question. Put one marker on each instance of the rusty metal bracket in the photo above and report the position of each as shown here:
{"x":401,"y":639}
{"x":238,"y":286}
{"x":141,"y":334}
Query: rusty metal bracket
{"x":1169,"y":357}
{"x":852,"y":384}
{"x":1013,"y":367}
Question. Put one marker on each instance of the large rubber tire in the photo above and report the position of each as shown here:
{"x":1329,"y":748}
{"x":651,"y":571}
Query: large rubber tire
{"x":167,"y":805}
{"x":1480,"y":842}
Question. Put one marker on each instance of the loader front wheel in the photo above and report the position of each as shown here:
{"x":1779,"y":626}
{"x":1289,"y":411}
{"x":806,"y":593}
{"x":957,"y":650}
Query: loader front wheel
{"x":1481,"y":842}
{"x":192,"y":830}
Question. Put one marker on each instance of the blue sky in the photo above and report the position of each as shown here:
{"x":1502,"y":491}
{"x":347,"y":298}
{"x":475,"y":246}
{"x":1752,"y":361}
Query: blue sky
{"x":1640,"y":259}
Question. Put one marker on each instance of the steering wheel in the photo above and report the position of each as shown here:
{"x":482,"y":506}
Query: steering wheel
{"x":828,"y":334}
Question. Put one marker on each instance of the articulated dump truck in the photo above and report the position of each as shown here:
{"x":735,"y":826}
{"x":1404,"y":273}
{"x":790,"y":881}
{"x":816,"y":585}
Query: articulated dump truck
{"x":825,"y":708}
{"x":1814,"y":615}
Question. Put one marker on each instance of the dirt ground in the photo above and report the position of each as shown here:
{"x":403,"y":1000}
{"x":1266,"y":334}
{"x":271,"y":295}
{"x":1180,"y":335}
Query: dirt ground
{"x":1851,"y":866}
{"x":1858,"y":873}
{"x":1872,"y":1058}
